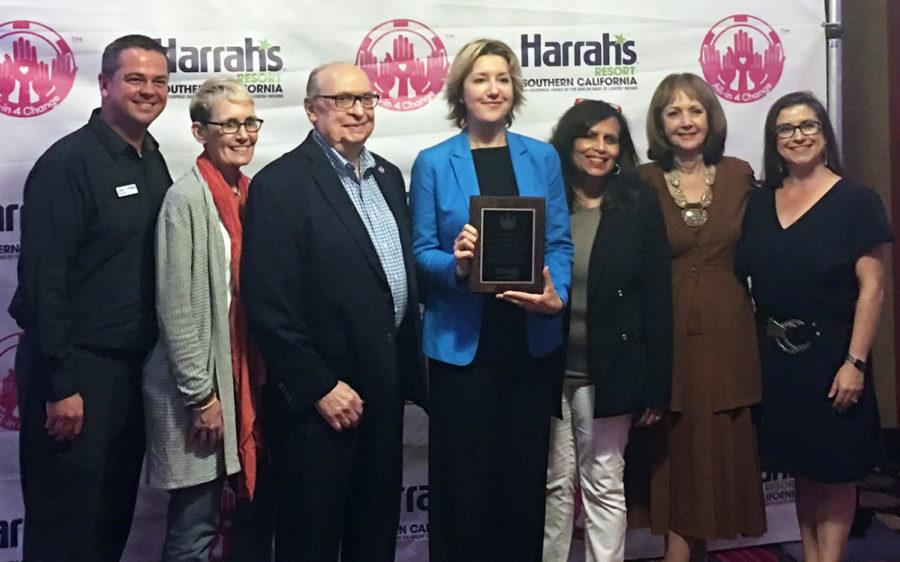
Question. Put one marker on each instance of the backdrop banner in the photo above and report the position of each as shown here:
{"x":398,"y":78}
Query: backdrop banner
{"x":750,"y":52}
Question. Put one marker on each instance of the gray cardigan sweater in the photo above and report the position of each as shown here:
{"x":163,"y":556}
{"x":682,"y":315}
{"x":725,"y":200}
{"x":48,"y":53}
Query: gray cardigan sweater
{"x":193,"y":355}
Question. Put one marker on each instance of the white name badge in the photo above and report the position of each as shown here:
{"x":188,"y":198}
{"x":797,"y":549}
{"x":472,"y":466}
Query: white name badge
{"x":126,"y":190}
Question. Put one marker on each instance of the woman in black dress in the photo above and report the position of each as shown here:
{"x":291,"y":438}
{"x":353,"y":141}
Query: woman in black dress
{"x":814,"y":247}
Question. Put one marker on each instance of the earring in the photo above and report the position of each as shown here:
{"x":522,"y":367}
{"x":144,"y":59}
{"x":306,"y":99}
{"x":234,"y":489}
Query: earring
{"x":617,"y":169}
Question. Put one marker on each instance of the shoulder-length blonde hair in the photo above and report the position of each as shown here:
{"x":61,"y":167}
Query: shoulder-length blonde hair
{"x":462,"y":66}
{"x":659,"y":149}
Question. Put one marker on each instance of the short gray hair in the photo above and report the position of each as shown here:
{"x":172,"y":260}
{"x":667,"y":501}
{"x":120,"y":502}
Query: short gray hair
{"x":215,"y":88}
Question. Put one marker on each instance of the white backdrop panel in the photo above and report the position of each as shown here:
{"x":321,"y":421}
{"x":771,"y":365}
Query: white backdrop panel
{"x":626,"y":47}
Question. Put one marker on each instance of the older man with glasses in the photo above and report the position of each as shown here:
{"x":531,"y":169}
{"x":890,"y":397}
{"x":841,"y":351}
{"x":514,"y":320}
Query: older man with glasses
{"x":330,"y":293}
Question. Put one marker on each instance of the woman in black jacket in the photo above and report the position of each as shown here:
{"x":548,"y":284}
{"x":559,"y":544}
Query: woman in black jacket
{"x":619,"y":357}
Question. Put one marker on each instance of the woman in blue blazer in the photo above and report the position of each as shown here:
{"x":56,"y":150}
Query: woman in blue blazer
{"x":493,"y":358}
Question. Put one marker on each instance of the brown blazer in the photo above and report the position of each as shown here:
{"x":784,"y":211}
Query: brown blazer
{"x":707,"y":296}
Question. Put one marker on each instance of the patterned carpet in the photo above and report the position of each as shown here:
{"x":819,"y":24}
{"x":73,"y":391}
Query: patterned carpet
{"x":876,"y":531}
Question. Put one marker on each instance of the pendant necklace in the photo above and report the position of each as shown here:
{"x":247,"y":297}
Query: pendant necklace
{"x":693,"y":214}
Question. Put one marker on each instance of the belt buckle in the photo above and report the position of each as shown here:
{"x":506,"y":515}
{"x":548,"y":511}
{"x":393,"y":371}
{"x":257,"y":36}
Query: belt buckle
{"x":778,"y":330}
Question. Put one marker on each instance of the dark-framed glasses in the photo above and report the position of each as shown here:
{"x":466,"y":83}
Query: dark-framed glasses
{"x":346,"y":101}
{"x":808,"y":127}
{"x":251,"y":125}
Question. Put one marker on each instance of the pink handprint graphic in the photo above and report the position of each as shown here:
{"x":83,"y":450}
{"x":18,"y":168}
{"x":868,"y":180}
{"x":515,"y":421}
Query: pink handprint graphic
{"x":7,"y":78}
{"x":743,"y":58}
{"x":37,"y":69}
{"x":418,"y":79}
{"x":774,"y":62}
{"x":404,"y":56}
{"x":710,"y":63}
{"x":42,"y":83}
{"x":9,"y":411}
{"x":729,"y":70}
{"x":406,"y":63}
{"x":25,"y":61}
{"x":731,"y":63}
{"x":437,"y":69}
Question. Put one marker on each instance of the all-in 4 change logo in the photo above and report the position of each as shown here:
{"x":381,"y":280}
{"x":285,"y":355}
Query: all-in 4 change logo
{"x":37,"y":68}
{"x":742,"y":58}
{"x":9,"y":410}
{"x":406,"y":63}
{"x":256,"y":64}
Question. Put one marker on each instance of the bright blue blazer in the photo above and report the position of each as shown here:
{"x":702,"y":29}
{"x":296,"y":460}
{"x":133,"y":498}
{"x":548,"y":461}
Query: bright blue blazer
{"x":443,"y":178}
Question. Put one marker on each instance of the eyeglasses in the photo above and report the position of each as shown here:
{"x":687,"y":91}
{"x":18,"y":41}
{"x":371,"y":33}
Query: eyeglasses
{"x":786,"y":130}
{"x":251,"y":125}
{"x":346,"y":101}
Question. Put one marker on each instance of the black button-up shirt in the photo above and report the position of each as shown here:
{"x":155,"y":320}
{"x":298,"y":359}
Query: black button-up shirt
{"x":86,"y":264}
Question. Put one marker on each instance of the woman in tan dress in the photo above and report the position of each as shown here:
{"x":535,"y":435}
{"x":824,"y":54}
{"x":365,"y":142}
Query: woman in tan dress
{"x":707,"y":484}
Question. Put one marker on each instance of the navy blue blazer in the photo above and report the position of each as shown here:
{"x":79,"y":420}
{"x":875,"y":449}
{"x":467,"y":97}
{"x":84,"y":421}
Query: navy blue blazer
{"x":443,"y":179}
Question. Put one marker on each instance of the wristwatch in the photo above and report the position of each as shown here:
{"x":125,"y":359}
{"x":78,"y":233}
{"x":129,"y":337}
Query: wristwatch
{"x":856,"y":362}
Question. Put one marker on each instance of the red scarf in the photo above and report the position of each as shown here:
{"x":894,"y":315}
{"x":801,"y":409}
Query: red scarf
{"x":246,"y":361}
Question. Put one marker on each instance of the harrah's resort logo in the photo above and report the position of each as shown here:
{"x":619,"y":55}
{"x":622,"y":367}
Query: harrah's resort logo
{"x":406,"y":62}
{"x":9,"y":222}
{"x":256,"y":64}
{"x":742,"y":58}
{"x":37,"y":68}
{"x":609,"y":59}
{"x":9,"y":410}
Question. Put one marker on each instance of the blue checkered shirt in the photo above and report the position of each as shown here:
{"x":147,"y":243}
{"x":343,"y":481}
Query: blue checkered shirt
{"x":376,"y":215}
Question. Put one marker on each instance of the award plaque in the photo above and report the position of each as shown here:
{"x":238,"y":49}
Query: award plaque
{"x":509,"y":255}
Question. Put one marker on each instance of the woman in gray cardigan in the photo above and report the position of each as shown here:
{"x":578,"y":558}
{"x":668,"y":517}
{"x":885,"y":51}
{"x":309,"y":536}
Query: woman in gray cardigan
{"x":201,"y":381}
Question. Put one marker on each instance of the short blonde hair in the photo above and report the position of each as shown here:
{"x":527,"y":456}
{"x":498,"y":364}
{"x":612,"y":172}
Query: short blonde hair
{"x":215,"y":88}
{"x":660,"y":150}
{"x":462,"y":67}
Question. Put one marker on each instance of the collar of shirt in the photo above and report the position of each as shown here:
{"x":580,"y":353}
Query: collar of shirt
{"x":111,"y":140}
{"x":340,"y":164}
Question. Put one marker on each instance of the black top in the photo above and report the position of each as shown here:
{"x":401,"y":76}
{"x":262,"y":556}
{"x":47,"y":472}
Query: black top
{"x":806,"y":272}
{"x":629,"y":303}
{"x":503,"y":334}
{"x":86,"y":267}
{"x":493,"y":168}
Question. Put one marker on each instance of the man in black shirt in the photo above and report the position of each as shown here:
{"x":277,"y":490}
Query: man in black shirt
{"x":86,"y":303}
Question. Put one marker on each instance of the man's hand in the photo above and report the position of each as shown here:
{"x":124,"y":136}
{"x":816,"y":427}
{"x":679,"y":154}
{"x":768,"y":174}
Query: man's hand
{"x":207,"y":425}
{"x":342,"y":407}
{"x":64,"y":418}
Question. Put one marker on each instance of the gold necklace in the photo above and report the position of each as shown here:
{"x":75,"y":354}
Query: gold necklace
{"x":693,"y":214}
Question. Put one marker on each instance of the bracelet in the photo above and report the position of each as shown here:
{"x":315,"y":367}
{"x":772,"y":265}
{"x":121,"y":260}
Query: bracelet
{"x":205,"y":404}
{"x":856,"y":362}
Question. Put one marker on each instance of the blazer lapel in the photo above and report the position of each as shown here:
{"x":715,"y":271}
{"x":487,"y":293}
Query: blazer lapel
{"x":327,"y":180}
{"x":464,"y":167}
{"x":526,"y":175}
{"x":607,"y":242}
